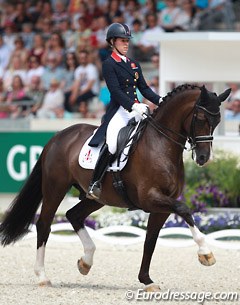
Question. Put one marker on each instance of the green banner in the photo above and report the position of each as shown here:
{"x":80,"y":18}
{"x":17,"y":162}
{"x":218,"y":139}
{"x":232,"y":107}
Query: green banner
{"x":18,"y":154}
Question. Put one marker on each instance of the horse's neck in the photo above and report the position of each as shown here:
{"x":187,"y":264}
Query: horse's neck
{"x":169,"y":119}
{"x":174,"y":111}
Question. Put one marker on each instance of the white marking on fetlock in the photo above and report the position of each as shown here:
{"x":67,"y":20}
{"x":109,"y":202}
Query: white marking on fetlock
{"x":88,"y":246}
{"x":152,"y":288}
{"x":199,"y":238}
{"x":39,"y":266}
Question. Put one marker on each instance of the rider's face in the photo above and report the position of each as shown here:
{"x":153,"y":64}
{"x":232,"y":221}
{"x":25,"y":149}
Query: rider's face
{"x":122,"y":44}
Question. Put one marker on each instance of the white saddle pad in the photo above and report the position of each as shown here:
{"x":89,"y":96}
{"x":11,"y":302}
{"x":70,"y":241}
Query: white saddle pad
{"x":88,"y":155}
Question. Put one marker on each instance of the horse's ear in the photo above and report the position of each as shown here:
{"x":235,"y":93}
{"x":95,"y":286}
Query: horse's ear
{"x":223,"y":96}
{"x":204,"y":93}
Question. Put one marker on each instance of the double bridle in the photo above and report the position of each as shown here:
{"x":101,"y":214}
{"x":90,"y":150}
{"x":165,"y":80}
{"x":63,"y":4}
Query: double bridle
{"x":191,"y":138}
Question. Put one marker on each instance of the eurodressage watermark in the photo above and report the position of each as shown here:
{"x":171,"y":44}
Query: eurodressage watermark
{"x":200,"y":297}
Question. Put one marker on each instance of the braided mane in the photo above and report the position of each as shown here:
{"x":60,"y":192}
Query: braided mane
{"x":178,"y":89}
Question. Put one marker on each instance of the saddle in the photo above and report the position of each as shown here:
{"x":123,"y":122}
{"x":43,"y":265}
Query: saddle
{"x":126,"y":141}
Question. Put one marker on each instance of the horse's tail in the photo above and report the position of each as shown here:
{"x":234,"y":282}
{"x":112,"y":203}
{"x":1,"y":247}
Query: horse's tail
{"x":23,"y":208}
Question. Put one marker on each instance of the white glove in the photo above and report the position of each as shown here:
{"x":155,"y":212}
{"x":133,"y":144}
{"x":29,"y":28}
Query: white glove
{"x":140,"y":109}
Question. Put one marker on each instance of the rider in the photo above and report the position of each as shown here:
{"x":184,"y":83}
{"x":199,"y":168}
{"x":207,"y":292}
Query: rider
{"x":123,"y":76}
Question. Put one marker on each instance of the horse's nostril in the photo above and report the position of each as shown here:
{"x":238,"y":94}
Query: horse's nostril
{"x":202,"y":159}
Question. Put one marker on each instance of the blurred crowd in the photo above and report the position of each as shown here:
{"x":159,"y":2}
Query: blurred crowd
{"x":51,"y":51}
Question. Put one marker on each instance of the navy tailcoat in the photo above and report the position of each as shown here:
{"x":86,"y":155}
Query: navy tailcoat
{"x":122,"y":79}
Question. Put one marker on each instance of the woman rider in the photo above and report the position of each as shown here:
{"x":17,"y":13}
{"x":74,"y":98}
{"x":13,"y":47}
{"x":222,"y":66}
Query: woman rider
{"x":123,"y":77}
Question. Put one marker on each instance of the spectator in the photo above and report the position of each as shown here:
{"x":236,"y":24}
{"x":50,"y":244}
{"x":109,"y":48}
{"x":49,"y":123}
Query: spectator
{"x":4,"y":109}
{"x":52,"y":70}
{"x":80,"y":10}
{"x":67,"y":34}
{"x":54,"y":48}
{"x":5,"y":54}
{"x":94,"y":11}
{"x":38,"y":48}
{"x":9,"y":13}
{"x":35,"y":69}
{"x":148,"y":8}
{"x":59,"y":14}
{"x":35,"y":93}
{"x":16,"y":68}
{"x":20,"y":51}
{"x":185,"y":21}
{"x":21,"y":16}
{"x":153,"y":79}
{"x":232,"y":110}
{"x":9,"y":34}
{"x":44,"y":26}
{"x":100,"y":34}
{"x":82,"y":35}
{"x":169,"y":15}
{"x":16,"y":94}
{"x":154,"y":71}
{"x":113,"y":11}
{"x":28,"y":35}
{"x":148,"y":46}
{"x":46,"y":12}
{"x":53,"y":101}
{"x":85,"y":87}
{"x":137,"y":33}
{"x":35,"y":11}
{"x":71,"y":65}
{"x":131,"y":12}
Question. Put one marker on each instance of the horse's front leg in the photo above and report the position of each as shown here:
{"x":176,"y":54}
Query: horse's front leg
{"x":205,"y":256}
{"x":155,"y":223}
{"x":76,"y":217}
{"x":180,"y":208}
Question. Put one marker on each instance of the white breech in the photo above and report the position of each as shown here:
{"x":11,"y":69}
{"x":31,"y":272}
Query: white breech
{"x":119,"y":120}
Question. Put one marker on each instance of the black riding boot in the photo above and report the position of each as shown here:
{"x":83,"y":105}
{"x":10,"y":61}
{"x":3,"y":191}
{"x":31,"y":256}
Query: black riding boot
{"x":94,"y":190}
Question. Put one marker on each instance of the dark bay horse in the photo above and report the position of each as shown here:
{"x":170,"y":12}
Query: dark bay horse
{"x":154,"y":178}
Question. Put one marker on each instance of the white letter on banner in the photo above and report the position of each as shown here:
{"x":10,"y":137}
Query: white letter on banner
{"x":35,"y":152}
{"x":10,"y":163}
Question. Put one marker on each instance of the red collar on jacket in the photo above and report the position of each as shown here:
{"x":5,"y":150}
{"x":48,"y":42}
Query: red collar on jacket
{"x":116,"y":57}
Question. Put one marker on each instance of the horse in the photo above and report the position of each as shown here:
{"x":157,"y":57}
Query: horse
{"x":153,"y":177}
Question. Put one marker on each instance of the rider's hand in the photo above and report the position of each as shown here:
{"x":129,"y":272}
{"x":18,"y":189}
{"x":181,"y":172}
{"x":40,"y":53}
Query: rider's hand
{"x":141,"y":109}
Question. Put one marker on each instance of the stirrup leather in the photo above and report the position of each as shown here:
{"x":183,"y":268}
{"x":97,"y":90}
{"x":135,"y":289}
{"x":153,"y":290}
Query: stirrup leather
{"x":94,"y":190}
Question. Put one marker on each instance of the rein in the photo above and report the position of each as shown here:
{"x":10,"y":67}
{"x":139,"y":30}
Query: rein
{"x":157,"y":127}
{"x":192,"y":139}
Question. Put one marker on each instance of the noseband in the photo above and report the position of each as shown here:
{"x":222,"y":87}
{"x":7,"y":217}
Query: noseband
{"x":212,"y":122}
{"x":192,"y":139}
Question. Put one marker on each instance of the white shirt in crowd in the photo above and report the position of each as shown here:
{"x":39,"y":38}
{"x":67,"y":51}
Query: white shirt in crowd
{"x":88,"y":73}
{"x":53,"y":100}
{"x":34,"y":72}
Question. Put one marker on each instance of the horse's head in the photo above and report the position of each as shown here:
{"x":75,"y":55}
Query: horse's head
{"x":206,"y":117}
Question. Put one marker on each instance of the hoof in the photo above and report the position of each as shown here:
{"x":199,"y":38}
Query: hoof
{"x":83,"y":267}
{"x":45,"y":284}
{"x":207,"y":259}
{"x":152,"y":288}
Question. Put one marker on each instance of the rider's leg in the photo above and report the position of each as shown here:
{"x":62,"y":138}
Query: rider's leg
{"x":102,"y":164}
{"x":119,"y":120}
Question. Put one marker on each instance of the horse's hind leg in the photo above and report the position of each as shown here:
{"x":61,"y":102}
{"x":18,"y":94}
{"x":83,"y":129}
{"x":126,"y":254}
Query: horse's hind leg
{"x":76,"y":217}
{"x":205,"y":256}
{"x":52,"y":198}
